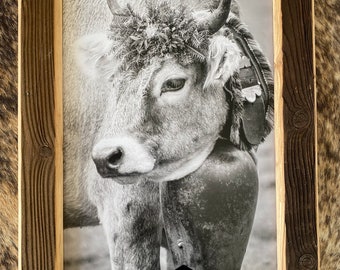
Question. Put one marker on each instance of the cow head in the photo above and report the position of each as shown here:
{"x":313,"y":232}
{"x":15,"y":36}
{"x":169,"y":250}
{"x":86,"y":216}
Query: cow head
{"x":167,"y":105}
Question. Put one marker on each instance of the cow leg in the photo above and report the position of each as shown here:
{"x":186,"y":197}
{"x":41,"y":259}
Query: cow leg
{"x":209,"y":214}
{"x":131,"y":219}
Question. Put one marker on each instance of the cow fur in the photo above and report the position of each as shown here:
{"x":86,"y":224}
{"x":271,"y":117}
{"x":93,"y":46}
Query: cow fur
{"x":81,"y":85}
{"x":8,"y":135}
{"x":327,"y":29}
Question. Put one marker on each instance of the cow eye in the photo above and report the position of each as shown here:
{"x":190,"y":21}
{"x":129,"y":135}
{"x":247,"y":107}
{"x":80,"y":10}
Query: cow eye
{"x":172,"y":85}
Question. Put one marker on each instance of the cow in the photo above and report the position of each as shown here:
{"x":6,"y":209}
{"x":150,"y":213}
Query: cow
{"x":161,"y":132}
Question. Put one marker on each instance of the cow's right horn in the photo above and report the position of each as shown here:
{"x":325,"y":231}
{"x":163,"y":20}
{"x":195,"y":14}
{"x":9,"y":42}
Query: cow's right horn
{"x":114,"y":6}
{"x":218,"y":17}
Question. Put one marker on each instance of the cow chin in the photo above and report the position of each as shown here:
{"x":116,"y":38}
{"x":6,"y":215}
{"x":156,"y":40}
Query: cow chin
{"x":128,"y":179}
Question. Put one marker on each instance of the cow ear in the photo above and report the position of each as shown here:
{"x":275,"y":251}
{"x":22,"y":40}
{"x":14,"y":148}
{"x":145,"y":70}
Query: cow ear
{"x":223,"y":60}
{"x":93,"y":56}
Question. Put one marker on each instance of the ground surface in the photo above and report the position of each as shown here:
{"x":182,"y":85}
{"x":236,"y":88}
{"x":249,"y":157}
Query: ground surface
{"x":86,"y":248}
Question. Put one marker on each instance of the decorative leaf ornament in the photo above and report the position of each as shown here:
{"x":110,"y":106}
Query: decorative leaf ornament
{"x":161,"y":32}
{"x":250,"y":93}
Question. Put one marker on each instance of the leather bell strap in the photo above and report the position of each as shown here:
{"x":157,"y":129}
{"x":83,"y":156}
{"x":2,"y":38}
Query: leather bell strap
{"x":254,"y":91}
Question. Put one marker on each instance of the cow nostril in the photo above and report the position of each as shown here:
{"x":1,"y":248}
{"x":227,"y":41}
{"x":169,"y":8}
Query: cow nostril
{"x":114,"y":159}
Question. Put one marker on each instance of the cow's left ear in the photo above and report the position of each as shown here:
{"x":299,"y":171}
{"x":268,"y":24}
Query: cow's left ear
{"x":223,"y":60}
{"x":93,"y":56}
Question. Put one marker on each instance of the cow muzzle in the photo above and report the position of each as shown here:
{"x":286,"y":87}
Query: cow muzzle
{"x":122,"y":156}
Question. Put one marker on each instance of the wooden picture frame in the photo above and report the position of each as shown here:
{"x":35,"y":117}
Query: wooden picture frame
{"x":40,"y":135}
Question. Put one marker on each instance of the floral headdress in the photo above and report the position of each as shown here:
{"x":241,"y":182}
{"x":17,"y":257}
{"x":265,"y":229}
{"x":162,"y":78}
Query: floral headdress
{"x":162,"y":31}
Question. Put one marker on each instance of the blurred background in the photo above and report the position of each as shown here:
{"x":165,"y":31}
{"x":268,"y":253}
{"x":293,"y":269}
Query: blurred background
{"x":85,"y":248}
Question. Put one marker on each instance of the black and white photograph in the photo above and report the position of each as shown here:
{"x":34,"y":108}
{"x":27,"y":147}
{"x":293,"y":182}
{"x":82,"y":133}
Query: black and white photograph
{"x":169,"y":158}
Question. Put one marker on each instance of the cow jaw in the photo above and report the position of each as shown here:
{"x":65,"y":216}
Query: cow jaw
{"x":135,"y":161}
{"x":179,"y":169}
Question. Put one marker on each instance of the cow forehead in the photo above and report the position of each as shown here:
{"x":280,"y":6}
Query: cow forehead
{"x":155,"y":73}
{"x":136,"y":83}
{"x":171,"y":68}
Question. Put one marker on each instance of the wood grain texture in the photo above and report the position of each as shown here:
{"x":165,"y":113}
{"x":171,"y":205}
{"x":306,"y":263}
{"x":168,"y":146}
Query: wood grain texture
{"x":279,"y":140}
{"x":37,"y":135}
{"x":58,"y":118}
{"x":8,"y":134}
{"x":299,"y":134}
{"x":327,"y":29}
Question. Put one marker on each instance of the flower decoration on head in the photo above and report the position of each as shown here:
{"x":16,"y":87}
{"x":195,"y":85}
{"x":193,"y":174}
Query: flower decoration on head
{"x":161,"y":32}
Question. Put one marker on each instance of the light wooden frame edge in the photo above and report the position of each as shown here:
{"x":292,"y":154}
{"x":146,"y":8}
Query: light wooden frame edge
{"x":58,"y":11}
{"x":278,"y":129}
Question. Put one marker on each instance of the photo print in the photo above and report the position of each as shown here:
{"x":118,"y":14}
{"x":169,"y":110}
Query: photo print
{"x":168,"y":142}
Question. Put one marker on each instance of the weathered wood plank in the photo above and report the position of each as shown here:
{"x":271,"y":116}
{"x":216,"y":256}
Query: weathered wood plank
{"x":327,"y":42}
{"x":279,"y":140}
{"x":37,"y":135}
{"x":299,"y":134}
{"x":8,"y":134}
{"x":58,"y":118}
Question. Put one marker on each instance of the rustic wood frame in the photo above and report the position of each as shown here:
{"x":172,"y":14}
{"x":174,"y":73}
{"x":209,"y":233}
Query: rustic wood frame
{"x":40,"y":134}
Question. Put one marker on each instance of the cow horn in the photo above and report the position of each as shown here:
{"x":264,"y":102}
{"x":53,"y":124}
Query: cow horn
{"x":218,"y":17}
{"x":114,"y":6}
